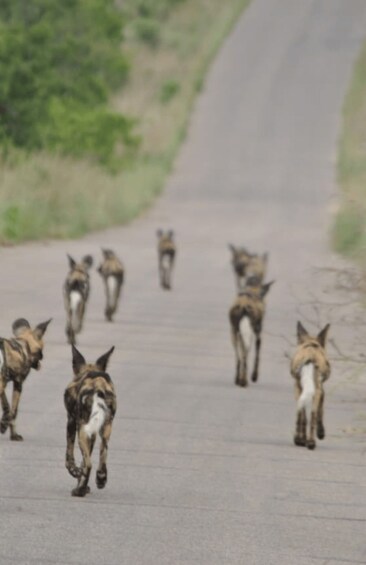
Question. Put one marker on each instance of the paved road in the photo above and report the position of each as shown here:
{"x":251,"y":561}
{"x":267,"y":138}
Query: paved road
{"x":200,"y":471}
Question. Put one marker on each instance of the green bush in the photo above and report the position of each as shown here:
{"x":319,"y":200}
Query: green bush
{"x":75,"y":130}
{"x":348,"y":230}
{"x":150,"y":8}
{"x":147,"y":30}
{"x":168,"y":90}
{"x":60,"y":55}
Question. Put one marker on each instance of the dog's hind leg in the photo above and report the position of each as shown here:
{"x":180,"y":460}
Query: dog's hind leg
{"x":258,"y":342}
{"x":4,"y":423}
{"x":320,"y":431}
{"x":101,"y":476}
{"x":85,"y":446}
{"x":70,"y":334}
{"x":17,"y":390}
{"x":72,"y":468}
{"x":311,"y":444}
{"x":242,"y":377}
{"x":237,"y":359}
{"x":300,"y":432}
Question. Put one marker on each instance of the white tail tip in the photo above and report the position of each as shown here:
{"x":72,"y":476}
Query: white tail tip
{"x":97,"y":417}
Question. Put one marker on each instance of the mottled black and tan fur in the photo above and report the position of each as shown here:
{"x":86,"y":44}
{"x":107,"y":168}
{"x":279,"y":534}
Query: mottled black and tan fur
{"x":246,"y":321}
{"x":112,"y":272}
{"x":90,"y":401}
{"x":310,"y":368}
{"x":247,"y":265}
{"x":76,"y":293}
{"x":166,"y":257}
{"x":18,"y":356}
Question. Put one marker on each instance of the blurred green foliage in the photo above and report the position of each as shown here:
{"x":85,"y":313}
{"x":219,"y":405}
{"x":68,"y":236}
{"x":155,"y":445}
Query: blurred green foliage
{"x":168,"y":90}
{"x":147,"y":30}
{"x":156,"y":9}
{"x":59,"y":63}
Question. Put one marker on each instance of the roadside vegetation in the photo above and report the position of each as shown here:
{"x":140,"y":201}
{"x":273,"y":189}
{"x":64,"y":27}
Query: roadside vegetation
{"x":94,"y":101}
{"x":349,"y":228}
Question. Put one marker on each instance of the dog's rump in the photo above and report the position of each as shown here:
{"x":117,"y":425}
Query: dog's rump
{"x":77,"y":285}
{"x":311,"y":355}
{"x":97,"y":416}
{"x":94,"y":383}
{"x":14,"y":358}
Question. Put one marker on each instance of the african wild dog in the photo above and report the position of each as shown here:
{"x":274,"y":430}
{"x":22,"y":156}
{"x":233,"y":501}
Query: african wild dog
{"x":246,"y":318}
{"x":90,"y":402}
{"x":112,"y":272}
{"x":18,"y":356}
{"x":76,"y":292}
{"x":247,"y":265}
{"x":166,"y":254}
{"x":310,"y":368}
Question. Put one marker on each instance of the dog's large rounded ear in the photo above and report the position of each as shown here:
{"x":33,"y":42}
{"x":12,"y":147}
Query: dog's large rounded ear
{"x":72,"y":262}
{"x":170,"y":234}
{"x":40,"y":330}
{"x":232,"y":248}
{"x":78,"y":360}
{"x":19,"y":326}
{"x":102,"y":362}
{"x":159,"y":232}
{"x":265,"y":257}
{"x":302,"y":333}
{"x":87,"y":261}
{"x":322,"y":335}
{"x":265,"y":288}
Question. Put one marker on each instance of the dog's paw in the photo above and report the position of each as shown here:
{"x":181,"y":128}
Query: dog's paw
{"x":80,"y":491}
{"x":74,"y":471}
{"x":101,"y":478}
{"x":320,"y":431}
{"x":16,"y":437}
{"x":310,"y":444}
{"x":299,"y":440}
{"x":4,"y":424}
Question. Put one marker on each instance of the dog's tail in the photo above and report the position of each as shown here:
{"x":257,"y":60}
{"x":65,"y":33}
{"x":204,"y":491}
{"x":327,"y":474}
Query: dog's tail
{"x":307,"y":379}
{"x":97,"y":416}
{"x":75,"y":302}
{"x":2,"y":357}
{"x":246,"y":332}
{"x":112,"y":295}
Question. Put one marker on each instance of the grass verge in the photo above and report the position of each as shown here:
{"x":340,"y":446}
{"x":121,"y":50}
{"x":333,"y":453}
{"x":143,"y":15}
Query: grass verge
{"x":349,"y":228}
{"x":46,"y":196}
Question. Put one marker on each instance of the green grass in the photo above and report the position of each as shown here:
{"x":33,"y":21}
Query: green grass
{"x":46,"y":196}
{"x":349,"y":227}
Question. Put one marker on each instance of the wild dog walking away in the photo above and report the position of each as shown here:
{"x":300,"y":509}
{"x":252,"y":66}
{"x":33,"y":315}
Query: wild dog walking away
{"x":310,"y":368}
{"x":247,"y":265}
{"x":166,"y":255}
{"x":18,"y":356}
{"x":90,"y":402}
{"x":246,"y":321}
{"x":76,"y":292}
{"x":112,"y":272}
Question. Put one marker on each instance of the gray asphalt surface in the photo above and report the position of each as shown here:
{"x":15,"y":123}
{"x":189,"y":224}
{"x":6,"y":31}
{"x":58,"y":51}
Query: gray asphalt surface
{"x":199,"y":470}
